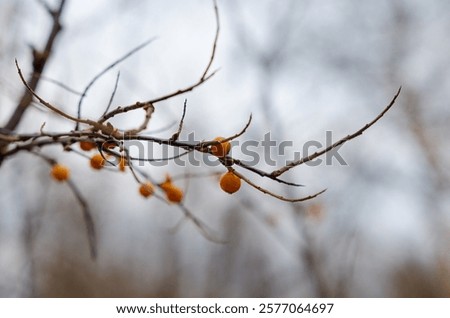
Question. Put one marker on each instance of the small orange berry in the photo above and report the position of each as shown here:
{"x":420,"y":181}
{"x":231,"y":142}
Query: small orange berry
{"x":173,"y":193}
{"x":60,"y":172}
{"x":222,"y":149}
{"x":146,"y":189}
{"x":87,"y":145}
{"x":97,"y":161}
{"x":166,"y":184}
{"x":122,"y":164}
{"x":230,"y":183}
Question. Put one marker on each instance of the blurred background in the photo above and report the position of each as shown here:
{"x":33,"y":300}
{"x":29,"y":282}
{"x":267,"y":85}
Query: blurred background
{"x":301,"y":68}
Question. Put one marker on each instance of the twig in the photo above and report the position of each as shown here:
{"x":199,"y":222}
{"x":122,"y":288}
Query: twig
{"x":96,"y":77}
{"x":196,"y":175}
{"x":112,"y":94}
{"x":261,"y":172}
{"x":204,"y":145}
{"x":149,"y":110}
{"x":88,"y":220}
{"x":279,"y":197}
{"x":125,"y":109}
{"x":39,"y":61}
{"x":180,"y":126}
{"x":60,"y":84}
{"x":107,"y":129}
{"x":216,"y":38}
{"x":203,"y":78}
{"x":200,"y":225}
{"x":313,"y":156}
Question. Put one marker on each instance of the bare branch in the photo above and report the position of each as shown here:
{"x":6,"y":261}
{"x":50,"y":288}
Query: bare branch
{"x":60,"y":84}
{"x":87,"y":216}
{"x":204,"y":145}
{"x":96,"y":77}
{"x":137,"y":105}
{"x":216,"y":38}
{"x":202,"y":227}
{"x":88,"y":220}
{"x":180,"y":126}
{"x":279,"y":197}
{"x":261,"y":172}
{"x":112,"y":94}
{"x":40,"y":59}
{"x":313,"y":156}
{"x":107,"y":129}
{"x":203,"y":78}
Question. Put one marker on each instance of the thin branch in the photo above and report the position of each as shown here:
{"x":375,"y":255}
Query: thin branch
{"x":41,"y":100}
{"x":279,"y":197}
{"x":203,"y":78}
{"x":60,"y":84}
{"x":88,"y":220}
{"x":204,"y":145}
{"x":96,"y":77}
{"x":124,"y":109}
{"x":133,"y":170}
{"x":116,"y":84}
{"x":180,"y":126}
{"x":196,"y":175}
{"x":40,"y":59}
{"x":130,"y":158}
{"x":107,"y":129}
{"x":216,"y":38}
{"x":359,"y":132}
{"x":202,"y":227}
{"x":261,"y":172}
{"x":149,"y":110}
{"x":87,"y":216}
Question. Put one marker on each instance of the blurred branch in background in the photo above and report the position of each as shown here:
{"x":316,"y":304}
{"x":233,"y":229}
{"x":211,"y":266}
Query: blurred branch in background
{"x":421,"y":112}
{"x":40,"y":58}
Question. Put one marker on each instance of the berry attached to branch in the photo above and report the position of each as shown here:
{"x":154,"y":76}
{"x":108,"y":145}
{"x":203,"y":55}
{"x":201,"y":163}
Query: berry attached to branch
{"x":60,"y":172}
{"x":146,"y":189}
{"x":230,"y":183}
{"x":87,"y":145}
{"x":173,"y":193}
{"x":97,"y":161}
{"x":222,"y":149}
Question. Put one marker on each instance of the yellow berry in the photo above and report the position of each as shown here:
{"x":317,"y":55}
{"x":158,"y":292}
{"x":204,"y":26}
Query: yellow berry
{"x":97,"y":161}
{"x":146,"y":189}
{"x":60,"y":172}
{"x":222,"y":149}
{"x":230,"y":183}
{"x":87,"y":145}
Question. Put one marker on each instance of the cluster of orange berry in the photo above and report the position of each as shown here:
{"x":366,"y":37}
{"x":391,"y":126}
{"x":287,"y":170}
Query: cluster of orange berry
{"x":97,"y":161}
{"x":229,"y":182}
{"x":173,"y":193}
